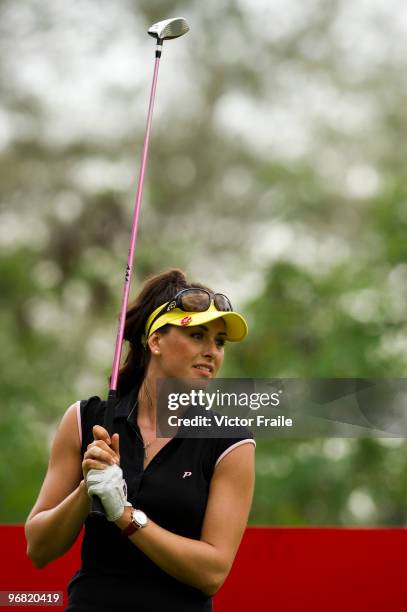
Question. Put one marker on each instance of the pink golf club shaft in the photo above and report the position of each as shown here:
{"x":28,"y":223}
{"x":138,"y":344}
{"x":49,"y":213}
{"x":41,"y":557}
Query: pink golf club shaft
{"x":172,"y":28}
{"x":97,"y":507}
{"x":133,"y":236}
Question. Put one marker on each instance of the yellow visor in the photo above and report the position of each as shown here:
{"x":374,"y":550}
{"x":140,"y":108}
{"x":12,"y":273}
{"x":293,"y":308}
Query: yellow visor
{"x":236,"y":326}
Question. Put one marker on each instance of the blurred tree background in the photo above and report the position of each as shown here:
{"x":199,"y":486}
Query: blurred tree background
{"x":276,"y":175}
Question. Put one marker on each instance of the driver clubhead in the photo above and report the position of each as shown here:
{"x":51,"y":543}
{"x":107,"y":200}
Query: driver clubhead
{"x":169,"y":28}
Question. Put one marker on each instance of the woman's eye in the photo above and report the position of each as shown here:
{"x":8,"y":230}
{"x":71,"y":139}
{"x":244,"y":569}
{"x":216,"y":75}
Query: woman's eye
{"x":220,"y":342}
{"x":196,"y":335}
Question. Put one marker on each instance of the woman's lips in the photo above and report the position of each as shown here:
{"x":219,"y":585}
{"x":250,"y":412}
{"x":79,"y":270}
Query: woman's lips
{"x":205,"y":370}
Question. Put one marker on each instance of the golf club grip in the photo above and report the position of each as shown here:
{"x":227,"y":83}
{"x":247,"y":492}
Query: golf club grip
{"x":97,"y":508}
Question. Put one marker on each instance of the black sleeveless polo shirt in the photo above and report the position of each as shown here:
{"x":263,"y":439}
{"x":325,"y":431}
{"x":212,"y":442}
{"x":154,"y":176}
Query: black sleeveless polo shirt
{"x":173,"y":491}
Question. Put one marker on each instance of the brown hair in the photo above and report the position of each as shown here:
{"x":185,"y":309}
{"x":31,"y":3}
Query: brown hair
{"x":157,"y":290}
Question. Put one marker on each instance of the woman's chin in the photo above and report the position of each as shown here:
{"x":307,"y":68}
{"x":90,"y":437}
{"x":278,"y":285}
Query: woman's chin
{"x":198,"y":381}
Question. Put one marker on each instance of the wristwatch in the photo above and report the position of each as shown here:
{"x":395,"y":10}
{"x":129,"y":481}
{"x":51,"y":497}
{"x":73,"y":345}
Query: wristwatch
{"x":138,"y":520}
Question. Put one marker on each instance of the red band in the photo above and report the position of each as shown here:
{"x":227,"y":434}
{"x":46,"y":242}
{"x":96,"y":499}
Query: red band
{"x":131,"y":528}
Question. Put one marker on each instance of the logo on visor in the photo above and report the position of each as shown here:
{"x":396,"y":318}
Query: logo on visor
{"x":186,"y":320}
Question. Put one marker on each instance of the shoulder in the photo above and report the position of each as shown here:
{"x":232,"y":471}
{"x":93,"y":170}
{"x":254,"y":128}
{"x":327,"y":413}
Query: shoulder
{"x":66,"y":443}
{"x":92,"y":408}
{"x":90,"y":412}
{"x":68,"y":428}
{"x":218,"y":448}
{"x":226,"y":446}
{"x":227,"y":436}
{"x":221,"y":447}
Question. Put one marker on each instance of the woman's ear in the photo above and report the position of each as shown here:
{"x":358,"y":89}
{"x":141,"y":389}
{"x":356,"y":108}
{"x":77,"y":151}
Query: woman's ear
{"x":154,"y":343}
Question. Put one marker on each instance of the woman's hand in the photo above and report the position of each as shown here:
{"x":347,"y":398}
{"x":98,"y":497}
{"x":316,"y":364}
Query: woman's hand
{"x":103,"y":451}
{"x":111,"y":488}
{"x":103,"y":476}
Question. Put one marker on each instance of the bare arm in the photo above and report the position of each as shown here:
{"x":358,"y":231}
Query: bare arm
{"x":205,"y":563}
{"x":63,"y":503}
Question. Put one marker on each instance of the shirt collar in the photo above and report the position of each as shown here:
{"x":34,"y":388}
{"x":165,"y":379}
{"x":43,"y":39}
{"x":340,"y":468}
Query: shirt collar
{"x":127,"y":406}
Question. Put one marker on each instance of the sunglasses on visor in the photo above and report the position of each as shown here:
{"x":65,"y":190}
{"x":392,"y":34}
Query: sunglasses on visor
{"x":194,"y":300}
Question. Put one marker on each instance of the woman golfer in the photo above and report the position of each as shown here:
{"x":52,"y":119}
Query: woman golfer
{"x":176,"y":507}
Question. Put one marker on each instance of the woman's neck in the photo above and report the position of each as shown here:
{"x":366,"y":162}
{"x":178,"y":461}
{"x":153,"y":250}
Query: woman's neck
{"x":146,"y":412}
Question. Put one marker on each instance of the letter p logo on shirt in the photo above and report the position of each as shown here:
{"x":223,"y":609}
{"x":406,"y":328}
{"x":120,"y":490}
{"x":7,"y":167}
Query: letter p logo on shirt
{"x":186,"y":474}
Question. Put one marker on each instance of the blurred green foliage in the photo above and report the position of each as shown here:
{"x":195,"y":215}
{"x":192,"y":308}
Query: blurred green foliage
{"x":276,"y":174}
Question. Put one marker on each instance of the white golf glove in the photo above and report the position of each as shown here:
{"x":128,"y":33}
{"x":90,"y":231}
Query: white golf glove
{"x":111,"y":488}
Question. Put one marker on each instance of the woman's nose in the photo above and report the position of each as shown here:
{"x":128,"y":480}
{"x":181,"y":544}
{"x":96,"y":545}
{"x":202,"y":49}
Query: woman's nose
{"x":211,"y":348}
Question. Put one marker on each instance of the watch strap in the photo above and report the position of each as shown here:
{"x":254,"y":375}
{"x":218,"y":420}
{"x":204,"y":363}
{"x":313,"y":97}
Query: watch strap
{"x":131,"y":528}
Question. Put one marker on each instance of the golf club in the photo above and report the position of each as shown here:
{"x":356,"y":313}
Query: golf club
{"x":162,"y":30}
